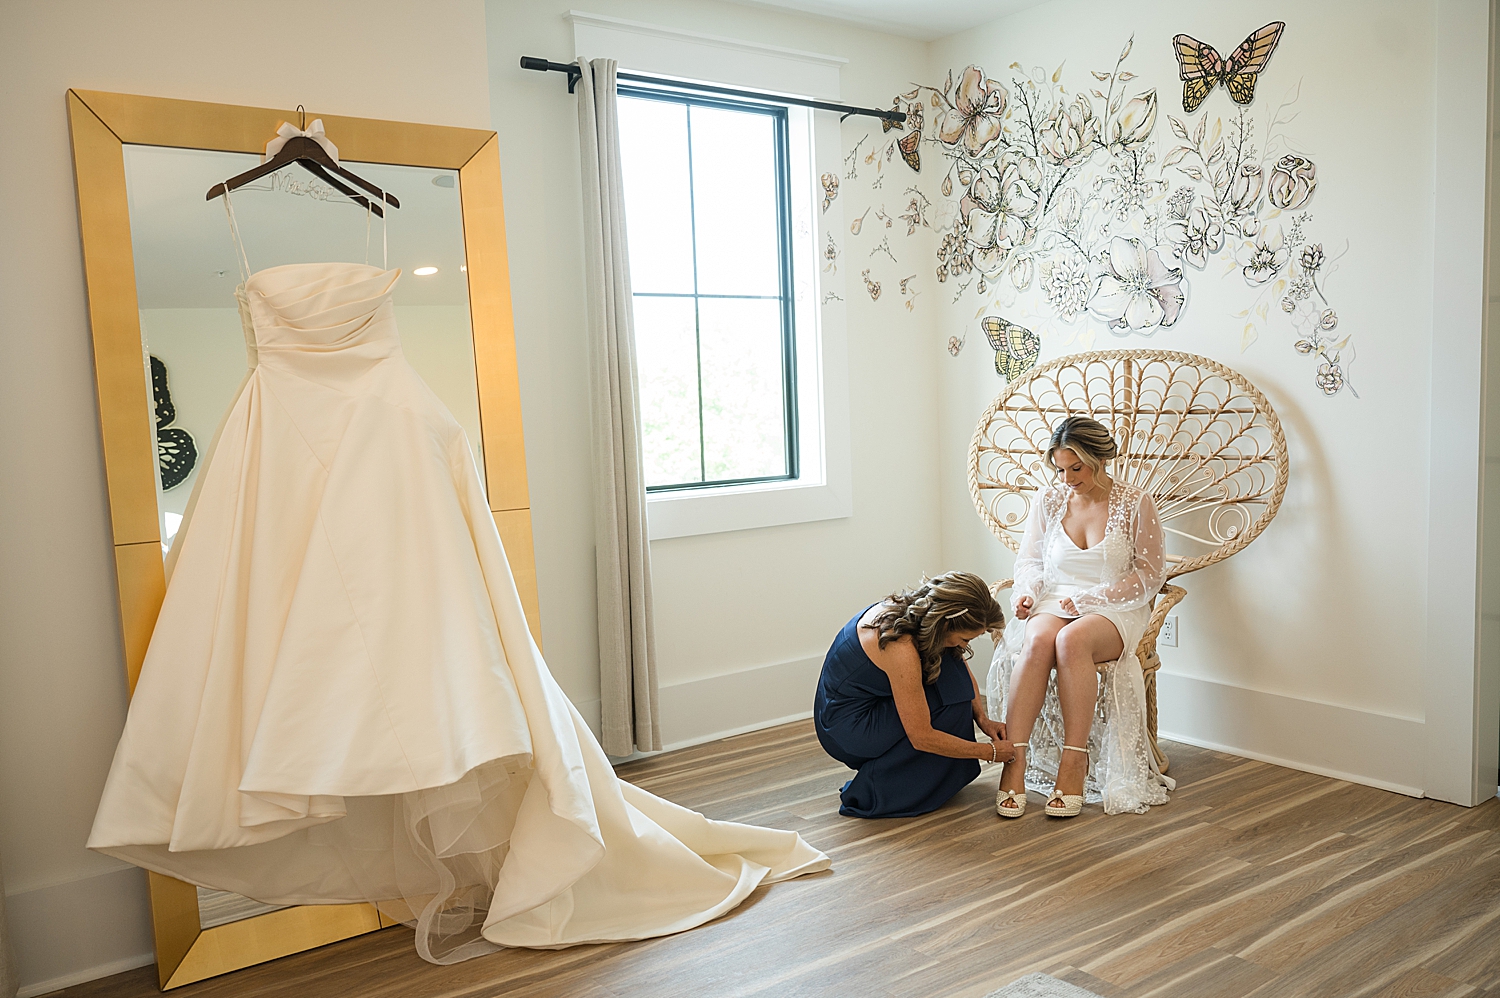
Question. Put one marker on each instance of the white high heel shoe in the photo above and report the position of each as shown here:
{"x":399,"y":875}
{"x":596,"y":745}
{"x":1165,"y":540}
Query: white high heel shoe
{"x":1012,"y":803}
{"x":1071,"y":803}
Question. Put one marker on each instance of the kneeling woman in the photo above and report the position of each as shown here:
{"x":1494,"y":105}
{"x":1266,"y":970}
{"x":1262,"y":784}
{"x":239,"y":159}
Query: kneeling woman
{"x":897,"y":702}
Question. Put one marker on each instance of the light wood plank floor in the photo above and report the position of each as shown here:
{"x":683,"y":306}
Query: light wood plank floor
{"x":1254,"y":880}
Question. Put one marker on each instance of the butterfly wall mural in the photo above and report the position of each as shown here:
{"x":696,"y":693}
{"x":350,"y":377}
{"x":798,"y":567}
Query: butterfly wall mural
{"x":1092,"y":211}
{"x":1016,"y":348}
{"x":176,"y":453}
{"x":1201,"y":66}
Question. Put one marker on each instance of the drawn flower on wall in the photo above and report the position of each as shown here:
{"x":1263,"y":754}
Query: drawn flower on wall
{"x":1180,"y":203}
{"x":1066,"y":193}
{"x":1312,"y":258}
{"x":1246,"y":189}
{"x":1196,"y":238}
{"x":1293,"y":180}
{"x":1136,"y":292}
{"x":998,"y":210}
{"x":1067,"y":208}
{"x":1022,"y":269}
{"x":1067,"y":284}
{"x":1132,"y":127}
{"x":976,"y":115}
{"x":1068,"y":134}
{"x":1330,"y":378}
{"x":1267,"y":257}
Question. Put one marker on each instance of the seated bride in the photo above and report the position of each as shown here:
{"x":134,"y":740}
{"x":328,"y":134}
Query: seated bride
{"x":1091,"y":562}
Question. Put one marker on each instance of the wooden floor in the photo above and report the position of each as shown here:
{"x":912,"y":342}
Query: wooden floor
{"x":1254,"y":880}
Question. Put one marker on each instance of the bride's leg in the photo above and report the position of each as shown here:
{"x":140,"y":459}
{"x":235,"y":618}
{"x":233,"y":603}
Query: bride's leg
{"x":1081,"y":645}
{"x":1028,"y":688}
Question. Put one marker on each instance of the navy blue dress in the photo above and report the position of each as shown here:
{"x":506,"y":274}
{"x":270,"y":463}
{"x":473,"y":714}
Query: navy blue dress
{"x":856,"y":720}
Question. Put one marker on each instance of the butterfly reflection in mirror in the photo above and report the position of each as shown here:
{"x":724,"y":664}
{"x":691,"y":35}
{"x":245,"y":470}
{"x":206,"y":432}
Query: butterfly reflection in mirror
{"x":176,"y":454}
{"x":1201,"y":66}
{"x":1016,"y":347}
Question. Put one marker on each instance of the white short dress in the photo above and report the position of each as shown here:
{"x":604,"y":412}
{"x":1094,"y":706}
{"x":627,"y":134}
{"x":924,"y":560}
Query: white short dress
{"x":1117,"y":579}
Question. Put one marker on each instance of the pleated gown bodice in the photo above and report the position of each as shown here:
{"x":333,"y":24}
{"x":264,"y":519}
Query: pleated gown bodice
{"x":342,"y":701}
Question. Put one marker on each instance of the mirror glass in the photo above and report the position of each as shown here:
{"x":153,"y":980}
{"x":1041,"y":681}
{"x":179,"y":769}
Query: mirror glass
{"x":187,"y":268}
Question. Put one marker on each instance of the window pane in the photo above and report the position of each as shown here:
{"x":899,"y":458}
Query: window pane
{"x":744,"y":428}
{"x":658,"y":214}
{"x":734,"y":202}
{"x":667,"y":371}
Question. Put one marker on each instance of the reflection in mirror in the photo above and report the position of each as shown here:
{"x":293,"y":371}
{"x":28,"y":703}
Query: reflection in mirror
{"x":187,"y":269}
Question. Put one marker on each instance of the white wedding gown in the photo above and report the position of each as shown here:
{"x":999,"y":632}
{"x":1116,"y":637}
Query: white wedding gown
{"x":342,"y":702}
{"x":1117,"y":579}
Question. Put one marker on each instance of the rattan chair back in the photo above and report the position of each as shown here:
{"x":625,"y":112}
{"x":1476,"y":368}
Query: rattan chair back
{"x":1196,"y":435}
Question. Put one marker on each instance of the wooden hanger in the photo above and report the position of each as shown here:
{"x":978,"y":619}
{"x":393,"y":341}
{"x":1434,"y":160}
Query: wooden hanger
{"x":315,"y":160}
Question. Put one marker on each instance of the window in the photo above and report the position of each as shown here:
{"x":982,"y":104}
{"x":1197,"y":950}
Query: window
{"x":707,"y":207}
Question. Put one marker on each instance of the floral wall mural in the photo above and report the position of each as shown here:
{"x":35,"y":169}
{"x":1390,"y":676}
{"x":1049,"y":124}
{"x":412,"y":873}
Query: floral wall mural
{"x":1093,"y":210}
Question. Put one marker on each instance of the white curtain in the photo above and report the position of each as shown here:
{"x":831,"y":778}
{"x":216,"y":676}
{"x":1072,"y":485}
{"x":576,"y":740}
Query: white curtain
{"x":10,"y":980}
{"x":622,"y":555}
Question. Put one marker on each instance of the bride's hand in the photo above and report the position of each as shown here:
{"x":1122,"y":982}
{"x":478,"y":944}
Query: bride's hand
{"x":1023,"y":607}
{"x":1068,"y":606}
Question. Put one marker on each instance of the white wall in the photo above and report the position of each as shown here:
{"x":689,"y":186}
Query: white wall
{"x":1311,"y":646}
{"x":1307,"y":647}
{"x":62,"y":684}
{"x":743,"y":618}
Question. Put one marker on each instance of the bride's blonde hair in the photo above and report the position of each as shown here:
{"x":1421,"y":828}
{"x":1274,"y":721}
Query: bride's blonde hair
{"x":1088,"y":438}
{"x":930,"y":612}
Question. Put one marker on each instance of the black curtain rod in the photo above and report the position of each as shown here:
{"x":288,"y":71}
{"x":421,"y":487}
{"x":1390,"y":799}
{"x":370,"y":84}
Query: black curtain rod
{"x":544,"y":66}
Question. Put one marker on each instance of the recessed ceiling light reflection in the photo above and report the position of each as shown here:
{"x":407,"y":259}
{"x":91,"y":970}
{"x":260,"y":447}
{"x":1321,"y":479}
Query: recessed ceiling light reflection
{"x":425,"y":271}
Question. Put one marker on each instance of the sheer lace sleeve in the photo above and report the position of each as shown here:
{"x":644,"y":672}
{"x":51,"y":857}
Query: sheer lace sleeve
{"x":1029,"y":568}
{"x":1147,"y":570}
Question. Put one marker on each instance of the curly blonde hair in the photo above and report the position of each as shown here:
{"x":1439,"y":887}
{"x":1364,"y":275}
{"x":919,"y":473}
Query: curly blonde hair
{"x":930,"y":612}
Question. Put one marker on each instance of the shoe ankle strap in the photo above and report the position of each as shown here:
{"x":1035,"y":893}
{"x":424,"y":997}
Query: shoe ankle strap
{"x":1075,"y":748}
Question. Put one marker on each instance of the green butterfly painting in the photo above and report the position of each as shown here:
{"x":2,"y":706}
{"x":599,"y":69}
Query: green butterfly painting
{"x":1016,"y":347}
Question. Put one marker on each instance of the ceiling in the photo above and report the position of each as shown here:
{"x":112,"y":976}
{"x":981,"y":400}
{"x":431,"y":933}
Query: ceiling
{"x":926,"y":20}
{"x":185,"y":257}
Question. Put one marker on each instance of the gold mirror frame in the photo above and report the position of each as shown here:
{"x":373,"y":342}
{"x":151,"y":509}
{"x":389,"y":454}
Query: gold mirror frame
{"x":101,"y":124}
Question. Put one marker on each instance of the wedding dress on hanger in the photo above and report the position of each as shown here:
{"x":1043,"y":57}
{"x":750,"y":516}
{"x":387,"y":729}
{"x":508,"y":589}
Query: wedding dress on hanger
{"x":342,"y":701}
{"x":1117,"y":579}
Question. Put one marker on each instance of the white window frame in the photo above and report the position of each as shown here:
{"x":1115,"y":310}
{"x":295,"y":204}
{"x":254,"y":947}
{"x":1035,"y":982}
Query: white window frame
{"x":823,"y":489}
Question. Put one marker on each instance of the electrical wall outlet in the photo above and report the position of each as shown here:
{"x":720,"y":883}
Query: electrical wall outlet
{"x":1168,"y":635}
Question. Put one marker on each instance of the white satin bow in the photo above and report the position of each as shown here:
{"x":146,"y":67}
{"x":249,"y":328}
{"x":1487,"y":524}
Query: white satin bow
{"x":314,"y":131}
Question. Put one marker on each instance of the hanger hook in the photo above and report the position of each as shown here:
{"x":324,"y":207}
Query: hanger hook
{"x":302,"y":117}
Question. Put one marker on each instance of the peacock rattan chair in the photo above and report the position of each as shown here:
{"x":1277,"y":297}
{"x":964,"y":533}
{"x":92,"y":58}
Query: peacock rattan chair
{"x":1197,"y":436}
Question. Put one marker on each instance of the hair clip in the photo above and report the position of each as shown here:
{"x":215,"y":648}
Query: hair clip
{"x":961,"y":613}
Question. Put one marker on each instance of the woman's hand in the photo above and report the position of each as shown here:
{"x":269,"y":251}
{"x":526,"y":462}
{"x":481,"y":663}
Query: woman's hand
{"x":1069,"y":608}
{"x":994,"y":730}
{"x":1023,"y":607}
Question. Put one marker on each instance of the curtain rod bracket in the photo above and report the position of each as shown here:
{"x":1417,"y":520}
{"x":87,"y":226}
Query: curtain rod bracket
{"x":846,"y":111}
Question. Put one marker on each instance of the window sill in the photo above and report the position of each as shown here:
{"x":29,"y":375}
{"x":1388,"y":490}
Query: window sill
{"x":690,"y":512}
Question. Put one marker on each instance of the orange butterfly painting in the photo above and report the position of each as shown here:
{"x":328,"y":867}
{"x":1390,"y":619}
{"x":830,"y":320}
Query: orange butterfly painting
{"x":1201,"y":66}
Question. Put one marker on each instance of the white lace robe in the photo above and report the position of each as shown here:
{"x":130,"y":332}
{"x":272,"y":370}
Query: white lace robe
{"x":1122,"y":768}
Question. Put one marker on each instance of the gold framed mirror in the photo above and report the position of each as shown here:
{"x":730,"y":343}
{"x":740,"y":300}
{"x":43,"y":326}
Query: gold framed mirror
{"x":190,"y":947}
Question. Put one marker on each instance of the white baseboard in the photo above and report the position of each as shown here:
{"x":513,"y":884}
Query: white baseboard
{"x":704,"y":710}
{"x":80,"y":931}
{"x":1359,"y":746}
{"x":701,"y":710}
